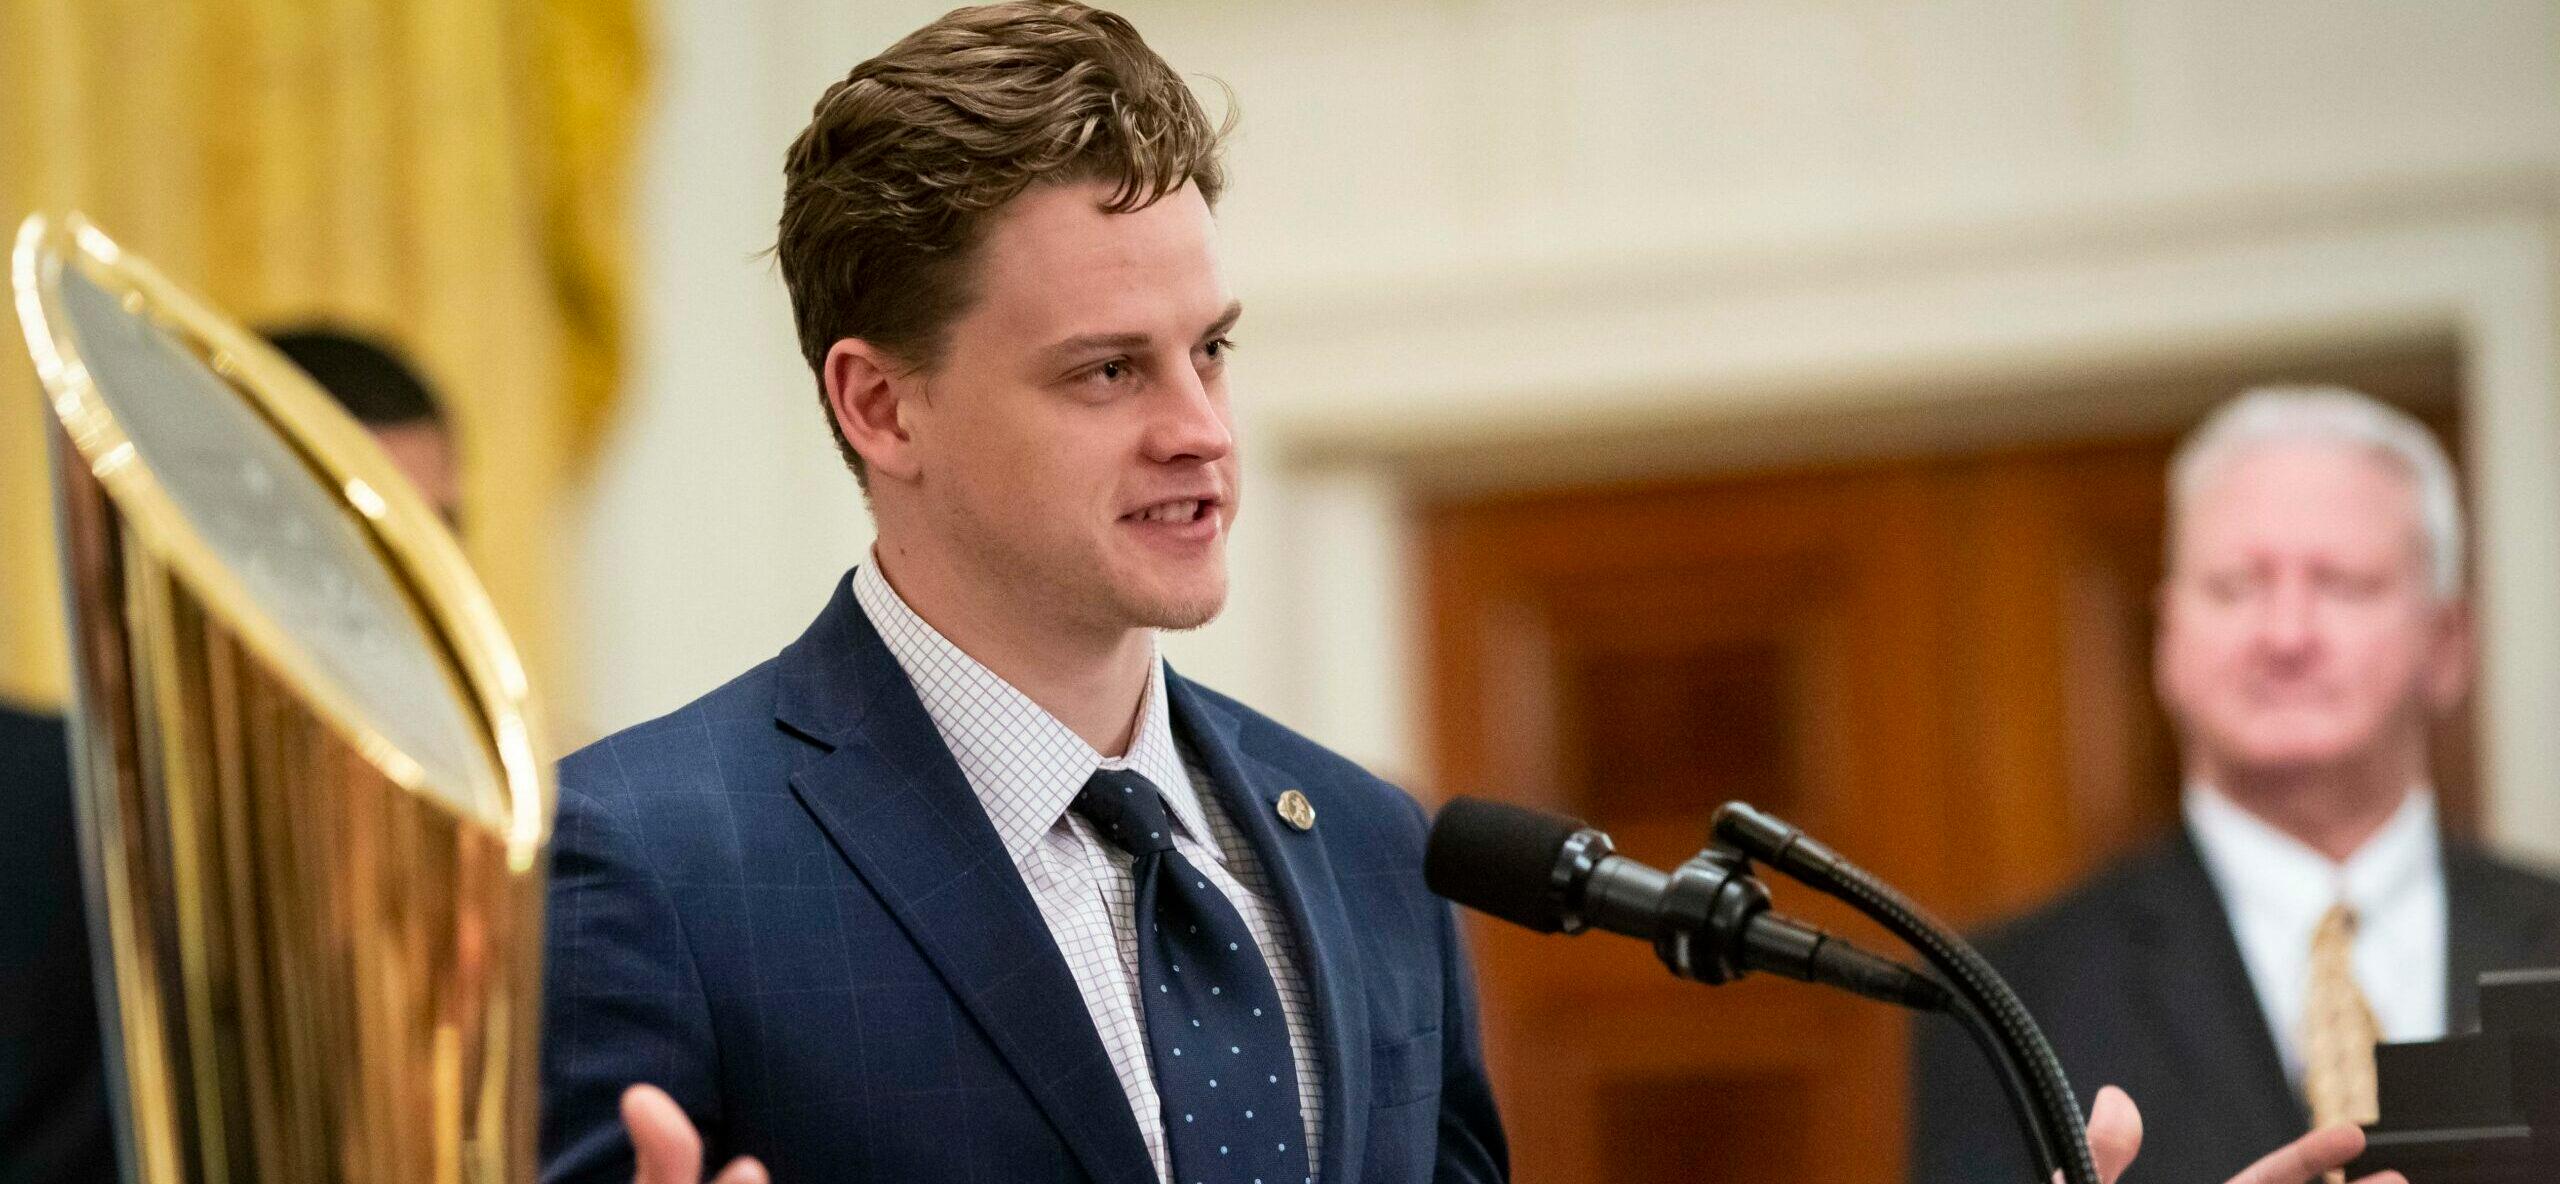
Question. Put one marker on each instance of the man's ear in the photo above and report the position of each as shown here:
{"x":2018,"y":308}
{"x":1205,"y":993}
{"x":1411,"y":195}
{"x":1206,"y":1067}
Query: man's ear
{"x":2160,"y":610}
{"x":2455,"y":658}
{"x":865,"y":388}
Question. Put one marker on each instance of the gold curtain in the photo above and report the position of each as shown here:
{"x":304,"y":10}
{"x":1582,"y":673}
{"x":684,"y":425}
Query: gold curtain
{"x":449,"y":174}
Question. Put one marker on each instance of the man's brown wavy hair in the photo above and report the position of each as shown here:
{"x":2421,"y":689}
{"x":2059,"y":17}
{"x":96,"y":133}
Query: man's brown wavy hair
{"x":888,"y":190}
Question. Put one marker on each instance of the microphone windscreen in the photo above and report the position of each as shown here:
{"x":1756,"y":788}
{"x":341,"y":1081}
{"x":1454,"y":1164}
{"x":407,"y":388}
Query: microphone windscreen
{"x":1498,"y":858}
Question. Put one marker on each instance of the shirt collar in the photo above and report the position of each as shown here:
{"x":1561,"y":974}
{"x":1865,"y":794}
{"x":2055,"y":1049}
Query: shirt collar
{"x":2250,"y":858}
{"x":1155,"y":756}
{"x":1025,"y":766}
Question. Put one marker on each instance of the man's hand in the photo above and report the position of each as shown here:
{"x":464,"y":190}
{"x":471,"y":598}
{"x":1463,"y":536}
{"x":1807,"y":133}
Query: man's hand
{"x":665,"y":1146}
{"x":2307,"y":1158}
{"x":2115,"y":1135}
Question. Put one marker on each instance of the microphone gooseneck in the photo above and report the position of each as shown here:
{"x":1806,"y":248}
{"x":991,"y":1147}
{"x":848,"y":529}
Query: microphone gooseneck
{"x":2049,"y":1113}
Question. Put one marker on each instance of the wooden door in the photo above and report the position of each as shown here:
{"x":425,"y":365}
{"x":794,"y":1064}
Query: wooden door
{"x":1941,"y":667}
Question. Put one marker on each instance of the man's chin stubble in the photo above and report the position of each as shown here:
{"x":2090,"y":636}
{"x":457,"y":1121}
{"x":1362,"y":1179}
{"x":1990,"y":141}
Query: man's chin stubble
{"x":1181,"y":618}
{"x":1178,"y":615}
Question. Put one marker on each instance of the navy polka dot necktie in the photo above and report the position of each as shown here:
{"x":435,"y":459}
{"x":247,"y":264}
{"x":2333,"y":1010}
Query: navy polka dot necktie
{"x":1223,"y":1066}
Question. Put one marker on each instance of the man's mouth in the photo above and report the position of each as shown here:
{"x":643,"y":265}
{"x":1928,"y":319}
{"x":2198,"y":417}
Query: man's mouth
{"x":1182,"y":510}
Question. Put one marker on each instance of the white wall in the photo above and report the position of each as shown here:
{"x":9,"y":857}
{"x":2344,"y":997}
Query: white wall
{"x":1499,"y":220}
{"x":720,"y":514}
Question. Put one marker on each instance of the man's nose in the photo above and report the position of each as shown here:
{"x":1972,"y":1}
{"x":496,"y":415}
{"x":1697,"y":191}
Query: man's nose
{"x":1190,"y":422}
{"x":2288,"y":624}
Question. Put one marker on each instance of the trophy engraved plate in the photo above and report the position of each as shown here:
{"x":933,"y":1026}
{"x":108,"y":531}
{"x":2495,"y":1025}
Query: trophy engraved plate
{"x":311,"y":804}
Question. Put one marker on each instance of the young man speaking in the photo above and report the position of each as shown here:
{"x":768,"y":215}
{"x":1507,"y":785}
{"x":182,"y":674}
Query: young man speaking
{"x":965,"y":884}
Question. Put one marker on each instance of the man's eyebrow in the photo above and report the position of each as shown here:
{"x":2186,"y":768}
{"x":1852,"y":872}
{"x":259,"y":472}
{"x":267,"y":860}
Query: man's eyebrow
{"x":1226,"y":320}
{"x":1094,"y":343}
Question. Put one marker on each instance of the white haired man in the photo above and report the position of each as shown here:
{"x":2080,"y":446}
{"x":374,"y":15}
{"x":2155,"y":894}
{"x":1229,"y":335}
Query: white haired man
{"x":2236,"y":977}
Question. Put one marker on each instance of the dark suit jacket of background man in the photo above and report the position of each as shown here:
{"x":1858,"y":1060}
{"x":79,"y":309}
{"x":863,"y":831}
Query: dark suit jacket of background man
{"x":53,"y":1101}
{"x":784,"y":904}
{"x":2137,"y":980}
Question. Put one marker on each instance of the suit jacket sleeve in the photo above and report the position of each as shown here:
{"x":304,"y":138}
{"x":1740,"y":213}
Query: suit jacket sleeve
{"x":623,"y":1001}
{"x":1472,"y":1150}
{"x":1962,"y":1130}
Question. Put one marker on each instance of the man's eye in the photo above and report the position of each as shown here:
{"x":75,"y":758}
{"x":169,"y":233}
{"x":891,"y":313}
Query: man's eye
{"x":1219,"y":347}
{"x":1111,"y":371}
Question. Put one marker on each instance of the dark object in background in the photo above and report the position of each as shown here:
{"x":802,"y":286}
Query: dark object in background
{"x":53,"y":1100}
{"x":2479,"y":1108}
{"x":368,"y":377}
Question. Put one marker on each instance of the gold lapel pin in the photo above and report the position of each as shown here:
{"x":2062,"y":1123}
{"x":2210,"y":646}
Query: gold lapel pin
{"x":1296,"y":810}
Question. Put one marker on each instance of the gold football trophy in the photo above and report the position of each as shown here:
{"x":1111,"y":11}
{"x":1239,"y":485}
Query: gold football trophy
{"x":312,"y":797}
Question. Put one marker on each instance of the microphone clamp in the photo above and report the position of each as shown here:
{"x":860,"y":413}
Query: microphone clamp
{"x":1697,"y":916}
{"x":1707,"y":909}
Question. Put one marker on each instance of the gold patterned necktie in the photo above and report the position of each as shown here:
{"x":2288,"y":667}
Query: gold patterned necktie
{"x":2338,"y":1028}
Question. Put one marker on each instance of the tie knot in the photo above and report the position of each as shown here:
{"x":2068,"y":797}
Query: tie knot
{"x":1127,"y":810}
{"x":2336,"y":925}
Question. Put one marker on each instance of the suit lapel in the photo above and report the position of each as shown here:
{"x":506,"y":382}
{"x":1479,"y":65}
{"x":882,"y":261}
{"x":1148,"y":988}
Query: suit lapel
{"x":1303,"y":877}
{"x":2204,"y":1009}
{"x":897,"y":806}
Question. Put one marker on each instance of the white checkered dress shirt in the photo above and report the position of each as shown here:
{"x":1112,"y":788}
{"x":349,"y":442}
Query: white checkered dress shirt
{"x":1027,"y":768}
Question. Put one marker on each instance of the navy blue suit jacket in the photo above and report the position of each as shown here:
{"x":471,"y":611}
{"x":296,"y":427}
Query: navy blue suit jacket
{"x":784,"y":904}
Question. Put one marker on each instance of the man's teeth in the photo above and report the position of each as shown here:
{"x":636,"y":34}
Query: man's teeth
{"x":1172,"y":512}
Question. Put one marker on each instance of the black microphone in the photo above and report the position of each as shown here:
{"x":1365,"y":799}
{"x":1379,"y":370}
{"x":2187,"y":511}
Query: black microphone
{"x":1708,"y":920}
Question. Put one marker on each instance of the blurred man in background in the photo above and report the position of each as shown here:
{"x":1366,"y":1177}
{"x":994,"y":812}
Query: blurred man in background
{"x":53,"y":1101}
{"x":2237,"y":977}
{"x":378,"y":386}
